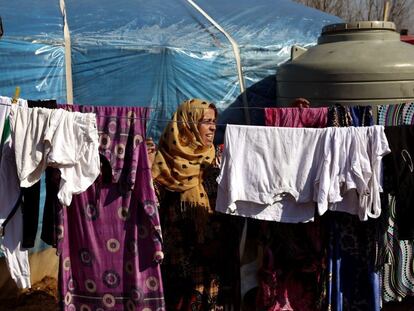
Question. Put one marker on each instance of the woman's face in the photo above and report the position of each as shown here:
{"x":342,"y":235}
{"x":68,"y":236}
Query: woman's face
{"x":207,"y":127}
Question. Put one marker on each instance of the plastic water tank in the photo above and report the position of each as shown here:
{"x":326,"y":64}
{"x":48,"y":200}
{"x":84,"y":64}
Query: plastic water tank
{"x":353,"y":63}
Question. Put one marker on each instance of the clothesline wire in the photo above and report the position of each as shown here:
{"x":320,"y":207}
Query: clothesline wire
{"x":155,"y":119}
{"x":157,"y":108}
{"x":143,"y":118}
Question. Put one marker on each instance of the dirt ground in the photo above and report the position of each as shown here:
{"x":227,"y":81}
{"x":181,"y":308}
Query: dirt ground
{"x":41,"y":297}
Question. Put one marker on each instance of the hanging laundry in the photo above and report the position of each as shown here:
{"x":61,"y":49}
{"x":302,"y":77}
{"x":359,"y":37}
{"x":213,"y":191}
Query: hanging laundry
{"x":5,"y":104}
{"x":31,"y":198}
{"x":296,"y":117}
{"x":396,"y":114}
{"x":352,"y":244}
{"x":269,"y":172}
{"x":361,"y":115}
{"x":396,"y":255}
{"x":291,"y":276}
{"x":399,"y":167}
{"x":339,"y":115}
{"x":352,"y":281}
{"x":55,"y":137}
{"x":11,"y":220}
{"x":109,"y":237}
{"x":10,"y":212}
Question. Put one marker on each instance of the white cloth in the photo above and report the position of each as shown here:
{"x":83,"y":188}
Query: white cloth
{"x":361,"y":195}
{"x":5,"y":104}
{"x":377,"y":141}
{"x":59,"y":138}
{"x":17,"y":259}
{"x":5,"y":109}
{"x":264,"y":175}
{"x":346,"y":171}
{"x":279,"y":174}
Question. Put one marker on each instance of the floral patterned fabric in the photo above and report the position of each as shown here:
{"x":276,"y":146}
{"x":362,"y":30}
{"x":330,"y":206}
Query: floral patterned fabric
{"x":109,"y":237}
{"x":291,"y":277}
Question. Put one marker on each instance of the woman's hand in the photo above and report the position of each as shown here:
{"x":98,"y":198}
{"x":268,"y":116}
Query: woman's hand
{"x":300,"y":103}
{"x":151,"y":150}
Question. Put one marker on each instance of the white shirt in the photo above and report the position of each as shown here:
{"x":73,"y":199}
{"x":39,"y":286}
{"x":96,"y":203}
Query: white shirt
{"x":280,"y":174}
{"x":261,"y":167}
{"x":59,"y":138}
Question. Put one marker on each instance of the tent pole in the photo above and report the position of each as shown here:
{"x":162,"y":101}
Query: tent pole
{"x":68,"y":55}
{"x":236,"y":51}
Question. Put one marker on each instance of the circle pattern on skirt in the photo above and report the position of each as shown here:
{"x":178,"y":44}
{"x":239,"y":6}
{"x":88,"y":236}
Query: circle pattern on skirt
{"x":152,"y":283}
{"x":104,"y":141}
{"x":68,"y":298}
{"x":113,"y":245}
{"x":90,"y":286}
{"x":120,"y":151}
{"x":130,"y":305}
{"x":85,"y":308}
{"x":123,"y":213}
{"x":138,"y":139}
{"x":91,"y":212}
{"x":108,"y":300}
{"x":112,"y":127}
{"x":86,"y":257}
{"x":137,"y":295}
{"x":66,"y":264}
{"x":111,"y":279}
{"x":71,"y":284}
{"x":149,"y":207}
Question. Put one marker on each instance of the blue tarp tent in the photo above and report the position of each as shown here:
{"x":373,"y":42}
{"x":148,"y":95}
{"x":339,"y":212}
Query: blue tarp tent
{"x":151,"y":53}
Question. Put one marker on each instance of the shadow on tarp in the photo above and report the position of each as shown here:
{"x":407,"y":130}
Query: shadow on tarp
{"x":260,"y":95}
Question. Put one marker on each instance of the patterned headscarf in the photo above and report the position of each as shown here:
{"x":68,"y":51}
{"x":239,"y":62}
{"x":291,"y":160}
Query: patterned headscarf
{"x":182,"y":157}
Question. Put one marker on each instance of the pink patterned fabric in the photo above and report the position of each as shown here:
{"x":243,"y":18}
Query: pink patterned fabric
{"x":110,"y":238}
{"x":296,"y":117}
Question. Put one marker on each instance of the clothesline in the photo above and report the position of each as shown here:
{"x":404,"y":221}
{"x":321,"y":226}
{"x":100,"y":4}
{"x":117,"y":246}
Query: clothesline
{"x":167,"y":120}
{"x":143,"y":118}
{"x":155,"y":108}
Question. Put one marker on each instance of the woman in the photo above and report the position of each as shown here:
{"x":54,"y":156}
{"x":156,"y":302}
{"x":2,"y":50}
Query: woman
{"x":194,"y":237}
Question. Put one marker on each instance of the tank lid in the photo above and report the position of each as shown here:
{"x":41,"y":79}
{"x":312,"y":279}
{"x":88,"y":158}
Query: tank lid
{"x":355,"y":26}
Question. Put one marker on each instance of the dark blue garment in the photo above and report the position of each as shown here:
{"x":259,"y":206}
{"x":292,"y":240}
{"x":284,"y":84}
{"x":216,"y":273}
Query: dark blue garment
{"x":353,"y":282}
{"x":361,"y":115}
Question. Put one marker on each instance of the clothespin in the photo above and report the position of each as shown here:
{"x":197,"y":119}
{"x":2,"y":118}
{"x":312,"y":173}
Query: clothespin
{"x":16,"y":95}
